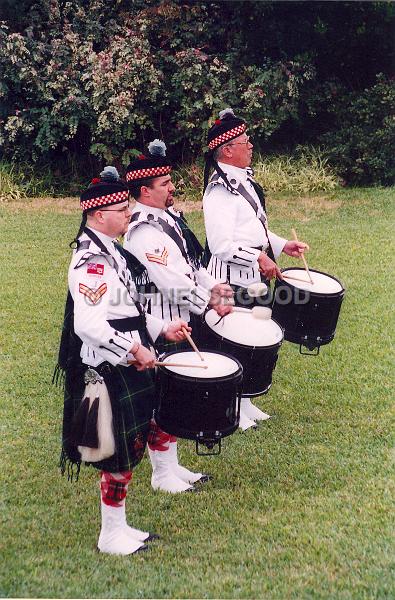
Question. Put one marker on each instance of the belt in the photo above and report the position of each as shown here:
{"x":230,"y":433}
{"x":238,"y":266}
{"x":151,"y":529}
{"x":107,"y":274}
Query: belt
{"x":129,"y":323}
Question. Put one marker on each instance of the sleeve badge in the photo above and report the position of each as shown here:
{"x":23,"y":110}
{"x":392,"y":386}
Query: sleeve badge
{"x":93,"y":295}
{"x":161,"y":259}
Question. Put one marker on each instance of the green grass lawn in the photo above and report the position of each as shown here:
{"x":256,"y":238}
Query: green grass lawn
{"x":301,"y":508}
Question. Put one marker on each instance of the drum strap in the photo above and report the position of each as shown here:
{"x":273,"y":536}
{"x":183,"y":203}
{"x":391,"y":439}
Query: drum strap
{"x":243,"y":192}
{"x":216,"y":179}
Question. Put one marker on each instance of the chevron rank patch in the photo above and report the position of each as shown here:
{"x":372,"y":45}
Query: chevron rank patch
{"x":161,"y":259}
{"x":93,"y":295}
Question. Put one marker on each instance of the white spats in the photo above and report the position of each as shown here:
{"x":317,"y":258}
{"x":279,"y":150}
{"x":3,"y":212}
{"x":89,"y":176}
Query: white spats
{"x":246,"y":423}
{"x":163,"y":477}
{"x":114,"y":537}
{"x":252,"y":411}
{"x":182,"y":472}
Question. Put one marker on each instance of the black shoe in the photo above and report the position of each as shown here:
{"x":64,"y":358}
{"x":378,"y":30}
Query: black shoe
{"x":192,"y":490}
{"x":204,"y":478}
{"x":142,"y":549}
{"x":152,"y":537}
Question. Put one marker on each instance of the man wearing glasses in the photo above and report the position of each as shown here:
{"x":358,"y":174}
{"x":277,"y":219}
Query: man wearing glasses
{"x":106,"y":344}
{"x":240,"y":247}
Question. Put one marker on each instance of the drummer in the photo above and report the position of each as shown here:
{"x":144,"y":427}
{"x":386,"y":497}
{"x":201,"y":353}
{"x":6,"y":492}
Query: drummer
{"x":240,"y":247}
{"x":179,"y":286}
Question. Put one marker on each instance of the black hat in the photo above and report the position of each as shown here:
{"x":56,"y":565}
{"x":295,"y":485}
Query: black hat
{"x":226,"y":128}
{"x":154,"y":164}
{"x":105,"y":190}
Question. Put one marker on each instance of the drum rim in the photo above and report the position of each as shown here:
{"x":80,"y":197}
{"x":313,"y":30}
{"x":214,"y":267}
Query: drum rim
{"x":238,"y":371}
{"x":247,"y":345}
{"x":301,"y":269}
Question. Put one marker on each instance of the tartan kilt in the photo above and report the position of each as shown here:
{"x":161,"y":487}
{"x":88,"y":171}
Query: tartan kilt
{"x":132,"y":395}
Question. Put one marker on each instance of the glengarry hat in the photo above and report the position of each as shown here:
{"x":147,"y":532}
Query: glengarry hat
{"x":150,"y":165}
{"x":105,"y":190}
{"x":226,"y":128}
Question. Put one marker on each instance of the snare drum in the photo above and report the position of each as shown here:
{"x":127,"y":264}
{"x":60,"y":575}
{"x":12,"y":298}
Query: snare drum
{"x":254,"y":342}
{"x":199,"y":404}
{"x":308,"y":312}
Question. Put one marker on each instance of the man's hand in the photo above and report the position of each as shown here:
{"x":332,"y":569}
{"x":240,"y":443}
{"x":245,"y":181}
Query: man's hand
{"x":222,"y":299}
{"x":295,"y":249}
{"x":267,"y":267}
{"x":174,"y":333}
{"x":144,"y":358}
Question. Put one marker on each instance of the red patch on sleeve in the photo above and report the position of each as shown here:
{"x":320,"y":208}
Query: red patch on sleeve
{"x":95,"y":269}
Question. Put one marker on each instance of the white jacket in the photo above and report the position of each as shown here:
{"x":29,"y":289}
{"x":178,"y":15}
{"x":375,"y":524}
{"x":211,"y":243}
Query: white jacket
{"x":234,"y":230}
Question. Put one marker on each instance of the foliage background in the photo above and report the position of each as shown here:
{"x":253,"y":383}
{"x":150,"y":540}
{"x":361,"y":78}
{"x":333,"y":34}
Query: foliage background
{"x":91,"y":81}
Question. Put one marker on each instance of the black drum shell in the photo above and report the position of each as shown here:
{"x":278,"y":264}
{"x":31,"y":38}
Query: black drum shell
{"x":258,"y":362}
{"x":313,"y":323}
{"x":198,"y":408}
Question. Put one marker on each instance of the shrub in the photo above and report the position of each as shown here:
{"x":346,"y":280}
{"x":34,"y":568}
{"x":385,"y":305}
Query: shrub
{"x":361,"y":147}
{"x":307,"y":171}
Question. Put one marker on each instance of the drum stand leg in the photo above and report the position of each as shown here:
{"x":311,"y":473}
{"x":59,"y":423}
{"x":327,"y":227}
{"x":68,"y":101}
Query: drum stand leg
{"x":311,"y":350}
{"x":210,"y":444}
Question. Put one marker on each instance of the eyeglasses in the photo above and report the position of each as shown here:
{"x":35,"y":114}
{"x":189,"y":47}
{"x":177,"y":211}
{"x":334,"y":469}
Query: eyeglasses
{"x":247,"y":141}
{"x":120,"y":210}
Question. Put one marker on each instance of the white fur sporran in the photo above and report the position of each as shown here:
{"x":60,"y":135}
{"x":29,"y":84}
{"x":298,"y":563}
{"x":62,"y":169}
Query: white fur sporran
{"x":96,"y":388}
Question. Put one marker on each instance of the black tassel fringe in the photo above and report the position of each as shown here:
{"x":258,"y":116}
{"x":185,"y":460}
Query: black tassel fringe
{"x":71,"y":468}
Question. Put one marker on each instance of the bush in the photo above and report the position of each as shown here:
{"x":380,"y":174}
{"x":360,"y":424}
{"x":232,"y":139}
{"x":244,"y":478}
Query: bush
{"x":84,"y":80}
{"x":307,"y":171}
{"x":362,"y":145}
{"x":18,"y":182}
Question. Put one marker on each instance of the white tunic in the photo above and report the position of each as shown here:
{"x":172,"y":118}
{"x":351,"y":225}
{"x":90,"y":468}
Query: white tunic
{"x":234,"y":230}
{"x":181,"y":288}
{"x":99,"y":296}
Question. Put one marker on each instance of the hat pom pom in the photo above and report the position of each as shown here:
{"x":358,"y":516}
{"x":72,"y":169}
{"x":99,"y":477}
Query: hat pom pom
{"x":109,"y":174}
{"x":157,"y":148}
{"x":226,"y":112}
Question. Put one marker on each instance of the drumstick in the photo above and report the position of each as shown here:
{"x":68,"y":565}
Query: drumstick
{"x":302,"y":256}
{"x":292,"y":277}
{"x":190,"y":340}
{"x":159,"y":363}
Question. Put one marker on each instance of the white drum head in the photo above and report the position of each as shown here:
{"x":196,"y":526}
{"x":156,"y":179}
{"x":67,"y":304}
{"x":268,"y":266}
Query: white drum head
{"x":323,"y":284}
{"x":243,"y":328}
{"x":218,"y":364}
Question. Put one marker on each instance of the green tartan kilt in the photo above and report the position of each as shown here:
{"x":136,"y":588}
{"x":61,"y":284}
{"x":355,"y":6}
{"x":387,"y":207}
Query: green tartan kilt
{"x":132,"y":395}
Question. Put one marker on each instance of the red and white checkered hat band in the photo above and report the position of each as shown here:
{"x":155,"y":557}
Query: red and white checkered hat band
{"x":148,"y":172}
{"x":103,"y":200}
{"x":228,"y":135}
